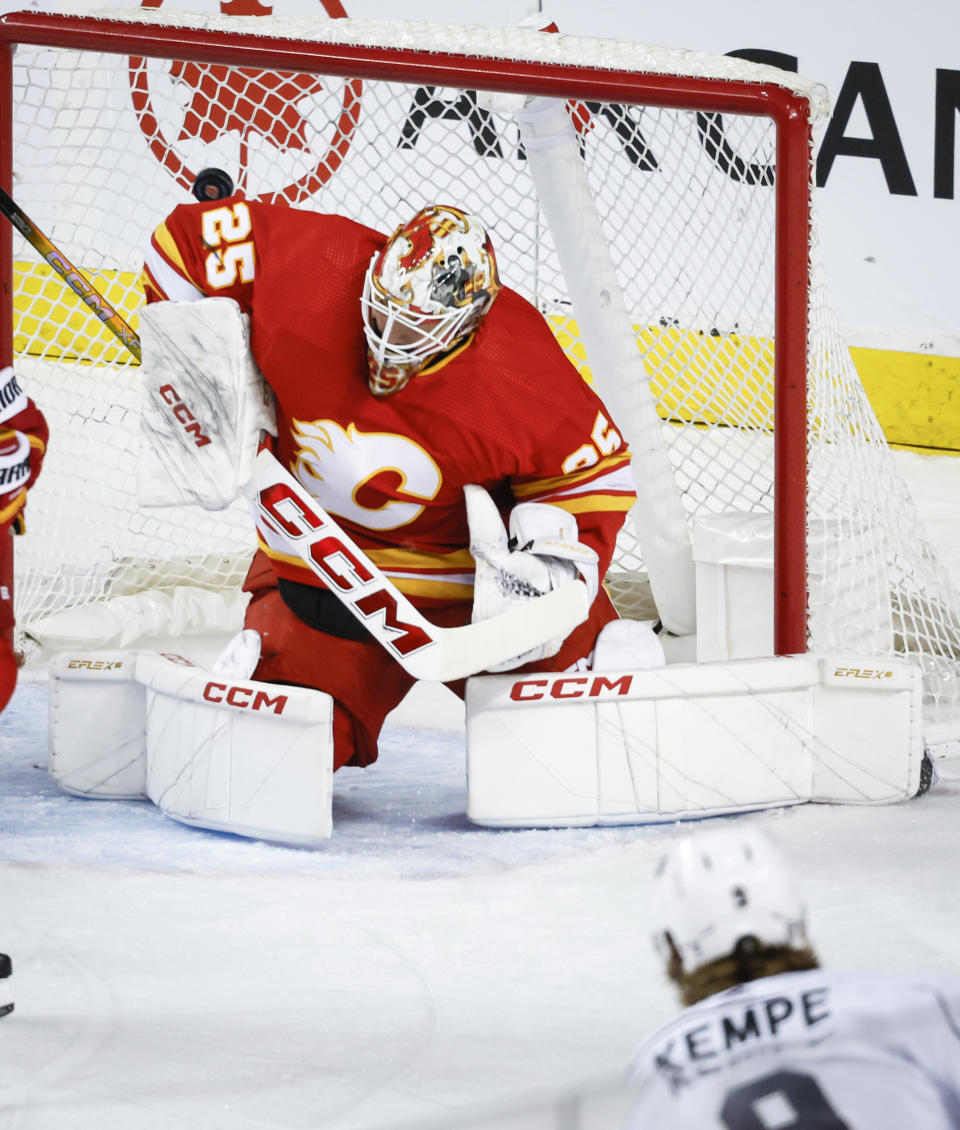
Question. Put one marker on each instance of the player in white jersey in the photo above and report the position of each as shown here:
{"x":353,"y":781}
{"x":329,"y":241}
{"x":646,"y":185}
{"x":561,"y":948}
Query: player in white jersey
{"x":771,"y":1041}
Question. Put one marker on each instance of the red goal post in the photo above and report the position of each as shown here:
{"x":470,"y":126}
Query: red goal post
{"x":725,"y":310}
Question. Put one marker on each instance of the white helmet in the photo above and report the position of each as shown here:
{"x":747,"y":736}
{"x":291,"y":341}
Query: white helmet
{"x":718,"y":886}
{"x":428,"y":289}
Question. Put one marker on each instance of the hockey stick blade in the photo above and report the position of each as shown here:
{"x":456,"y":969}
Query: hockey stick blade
{"x":421,"y":648}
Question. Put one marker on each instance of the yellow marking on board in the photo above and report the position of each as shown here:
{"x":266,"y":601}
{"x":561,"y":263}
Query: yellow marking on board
{"x":51,"y":322}
{"x":704,"y":379}
{"x":916,"y":396}
{"x":695,"y":377}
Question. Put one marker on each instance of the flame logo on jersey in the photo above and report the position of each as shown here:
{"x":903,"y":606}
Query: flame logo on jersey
{"x":379,"y":480}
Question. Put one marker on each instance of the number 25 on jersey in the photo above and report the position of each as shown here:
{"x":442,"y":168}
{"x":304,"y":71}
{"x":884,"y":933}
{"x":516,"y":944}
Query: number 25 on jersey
{"x":231,"y":259}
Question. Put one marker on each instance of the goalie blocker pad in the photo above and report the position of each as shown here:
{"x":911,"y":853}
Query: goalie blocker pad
{"x":691,"y":740}
{"x":204,"y":404}
{"x":232,"y":755}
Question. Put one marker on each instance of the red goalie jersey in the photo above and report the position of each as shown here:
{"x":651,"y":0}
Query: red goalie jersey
{"x":506,"y":410}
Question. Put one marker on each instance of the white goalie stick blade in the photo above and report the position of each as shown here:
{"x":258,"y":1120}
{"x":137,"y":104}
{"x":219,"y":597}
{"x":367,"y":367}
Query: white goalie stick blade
{"x":421,"y":648}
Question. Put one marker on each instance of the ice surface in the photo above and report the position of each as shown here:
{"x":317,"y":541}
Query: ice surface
{"x":413,"y":968}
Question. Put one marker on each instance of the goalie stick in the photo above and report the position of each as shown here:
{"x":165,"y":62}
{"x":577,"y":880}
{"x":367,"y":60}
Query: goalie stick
{"x":421,"y":648}
{"x":78,"y":283}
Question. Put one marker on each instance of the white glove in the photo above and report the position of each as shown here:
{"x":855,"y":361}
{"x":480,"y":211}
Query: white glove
{"x":541,"y":554}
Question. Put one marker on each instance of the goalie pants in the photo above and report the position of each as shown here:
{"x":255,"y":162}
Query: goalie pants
{"x":363,"y":680}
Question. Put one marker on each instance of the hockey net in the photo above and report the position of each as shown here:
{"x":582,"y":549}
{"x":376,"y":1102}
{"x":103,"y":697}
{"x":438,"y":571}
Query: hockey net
{"x":682,"y":155}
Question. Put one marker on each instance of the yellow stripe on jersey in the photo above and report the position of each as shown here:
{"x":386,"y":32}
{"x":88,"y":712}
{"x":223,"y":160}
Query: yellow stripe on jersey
{"x":286,"y":558}
{"x":566,"y":482}
{"x":460,"y":559}
{"x":14,"y":507}
{"x":592,"y":503}
{"x":168,"y":246}
{"x":435,"y":586}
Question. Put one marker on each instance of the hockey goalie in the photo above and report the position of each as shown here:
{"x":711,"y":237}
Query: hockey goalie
{"x":440,"y":498}
{"x":425,"y":405}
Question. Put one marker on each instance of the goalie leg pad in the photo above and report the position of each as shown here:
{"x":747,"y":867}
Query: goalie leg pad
{"x":97,"y":735}
{"x":688,"y":740}
{"x":211,"y":750}
{"x":240,"y":756}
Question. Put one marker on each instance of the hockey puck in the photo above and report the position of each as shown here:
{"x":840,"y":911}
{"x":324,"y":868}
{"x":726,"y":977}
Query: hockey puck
{"x":212,"y":184}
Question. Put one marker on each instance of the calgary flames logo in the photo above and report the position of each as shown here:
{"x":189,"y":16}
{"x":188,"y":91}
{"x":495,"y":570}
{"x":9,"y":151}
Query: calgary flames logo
{"x":255,"y":122}
{"x":379,"y":480}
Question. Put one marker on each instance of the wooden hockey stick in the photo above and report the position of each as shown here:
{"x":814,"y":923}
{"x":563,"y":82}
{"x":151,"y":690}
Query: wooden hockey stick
{"x":426,"y":651}
{"x":78,"y":283}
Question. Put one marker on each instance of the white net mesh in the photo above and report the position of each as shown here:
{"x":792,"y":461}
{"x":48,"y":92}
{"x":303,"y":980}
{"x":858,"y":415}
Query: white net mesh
{"x":106,"y":144}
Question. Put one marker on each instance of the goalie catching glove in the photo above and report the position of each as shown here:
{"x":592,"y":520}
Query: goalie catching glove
{"x":542,"y":553}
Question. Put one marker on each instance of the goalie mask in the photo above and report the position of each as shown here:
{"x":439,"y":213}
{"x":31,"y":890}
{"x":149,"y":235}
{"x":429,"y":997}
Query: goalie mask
{"x":425,"y":293}
{"x":715,"y":887}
